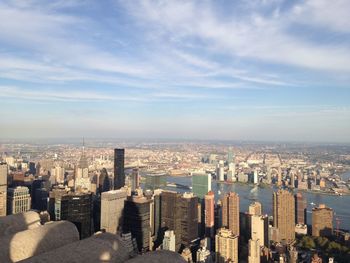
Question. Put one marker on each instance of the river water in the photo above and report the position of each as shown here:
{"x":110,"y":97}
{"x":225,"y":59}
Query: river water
{"x":249,"y":193}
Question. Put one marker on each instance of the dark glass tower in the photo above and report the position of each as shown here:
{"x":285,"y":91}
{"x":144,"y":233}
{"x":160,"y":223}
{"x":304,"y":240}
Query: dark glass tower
{"x":137,"y":221}
{"x":119,"y":175}
{"x":73,"y":207}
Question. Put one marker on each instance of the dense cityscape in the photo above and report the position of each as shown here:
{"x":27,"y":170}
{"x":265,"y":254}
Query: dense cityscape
{"x":186,"y":197}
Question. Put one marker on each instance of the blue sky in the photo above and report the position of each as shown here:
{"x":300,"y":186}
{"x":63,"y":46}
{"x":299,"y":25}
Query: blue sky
{"x":240,"y":70}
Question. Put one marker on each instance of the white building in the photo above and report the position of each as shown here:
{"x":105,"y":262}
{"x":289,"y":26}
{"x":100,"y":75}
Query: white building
{"x":169,"y":240}
{"x":18,"y":200}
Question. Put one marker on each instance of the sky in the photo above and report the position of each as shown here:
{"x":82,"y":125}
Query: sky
{"x":273,"y":70}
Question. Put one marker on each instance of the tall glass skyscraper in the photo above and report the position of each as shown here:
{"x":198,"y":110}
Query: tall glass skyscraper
{"x":119,"y":175}
{"x":201,"y":184}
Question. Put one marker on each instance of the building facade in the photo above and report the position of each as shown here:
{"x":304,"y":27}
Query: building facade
{"x":284,"y":215}
{"x":18,"y":200}
{"x":226,"y":246}
{"x":209,"y":216}
{"x":137,"y":221}
{"x":230,"y":212}
{"x":3,"y":188}
{"x":201,"y":184}
{"x":112,"y":208}
{"x":322,"y":221}
{"x":119,"y":174}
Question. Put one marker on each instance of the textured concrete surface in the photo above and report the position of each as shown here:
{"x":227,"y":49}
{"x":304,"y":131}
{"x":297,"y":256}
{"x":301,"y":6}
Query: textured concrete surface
{"x":102,"y":247}
{"x":12,"y":224}
{"x":28,"y":243}
{"x":158,"y":257}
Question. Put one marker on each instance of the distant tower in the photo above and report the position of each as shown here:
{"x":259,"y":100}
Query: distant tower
{"x":201,"y":184}
{"x":300,"y":209}
{"x":112,"y":206}
{"x":284,"y":214}
{"x":3,"y":188}
{"x":226,"y":246}
{"x":220,"y":171}
{"x":119,"y":174}
{"x":230,"y":212}
{"x":209,"y":202}
{"x":322,"y":221}
{"x":135,"y":181}
{"x":18,"y":200}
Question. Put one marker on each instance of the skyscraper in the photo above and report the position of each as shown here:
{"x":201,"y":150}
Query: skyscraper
{"x":137,"y":221}
{"x":171,"y":214}
{"x":103,"y":181}
{"x":253,"y":251}
{"x":119,"y":174}
{"x":322,"y":221}
{"x":300,"y":209}
{"x":284,"y":214}
{"x":230,"y":212}
{"x":255,"y":208}
{"x":135,"y":181}
{"x":259,"y":229}
{"x":189,"y":218}
{"x":201,"y":184}
{"x":73,"y":207}
{"x":112,"y":208}
{"x":3,"y":188}
{"x":226,"y":246}
{"x":220,"y":171}
{"x":18,"y":200}
{"x":209,"y":216}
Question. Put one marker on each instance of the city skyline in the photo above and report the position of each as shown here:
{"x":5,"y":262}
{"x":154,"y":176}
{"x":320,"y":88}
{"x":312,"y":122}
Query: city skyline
{"x":243,"y":70}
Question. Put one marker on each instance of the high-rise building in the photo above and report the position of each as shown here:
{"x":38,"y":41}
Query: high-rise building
{"x":322,"y":221}
{"x":226,"y":246}
{"x":156,"y":219}
{"x":41,"y":196}
{"x":300,"y":209}
{"x":155,"y":181}
{"x":135,"y":179}
{"x":209,"y":216}
{"x":189,"y":218}
{"x":231,"y":173}
{"x":201,"y":184}
{"x":220,"y":171}
{"x":230,"y":212}
{"x":284,"y":214}
{"x":3,"y":188}
{"x":253,"y":251}
{"x":112,"y":208}
{"x":137,"y":221}
{"x":18,"y":200}
{"x":171,"y":214}
{"x":103,"y":181}
{"x":255,"y":209}
{"x":259,"y":229}
{"x":73,"y":207}
{"x":119,"y":174}
{"x":169,"y":240}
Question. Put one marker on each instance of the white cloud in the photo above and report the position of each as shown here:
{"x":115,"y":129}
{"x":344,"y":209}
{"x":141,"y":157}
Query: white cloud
{"x":259,"y":37}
